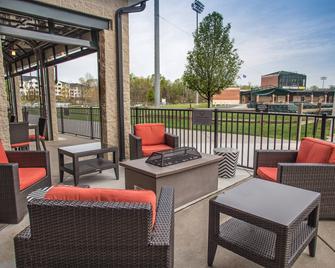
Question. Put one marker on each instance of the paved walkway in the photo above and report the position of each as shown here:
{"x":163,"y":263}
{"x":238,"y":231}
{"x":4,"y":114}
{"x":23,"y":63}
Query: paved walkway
{"x":190,"y":225}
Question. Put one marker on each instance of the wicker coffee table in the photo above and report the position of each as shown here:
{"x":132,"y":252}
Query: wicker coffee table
{"x":271,"y":223}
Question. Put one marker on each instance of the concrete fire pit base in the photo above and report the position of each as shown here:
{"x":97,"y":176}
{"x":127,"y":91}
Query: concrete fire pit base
{"x":190,"y":180}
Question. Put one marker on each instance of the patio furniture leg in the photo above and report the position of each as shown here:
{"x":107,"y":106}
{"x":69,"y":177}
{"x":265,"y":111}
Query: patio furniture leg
{"x":213,"y":232}
{"x":116,"y":161}
{"x":313,"y":220}
{"x":43,"y":144}
{"x":75,"y":171}
{"x":61,"y":165}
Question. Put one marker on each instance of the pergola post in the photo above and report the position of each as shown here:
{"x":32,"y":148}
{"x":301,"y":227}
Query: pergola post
{"x":17,"y":83}
{"x":4,"y":130}
{"x":108,"y":90}
{"x":52,"y":96}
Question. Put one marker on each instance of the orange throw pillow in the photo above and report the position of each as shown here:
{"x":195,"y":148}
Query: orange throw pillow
{"x":99,"y":194}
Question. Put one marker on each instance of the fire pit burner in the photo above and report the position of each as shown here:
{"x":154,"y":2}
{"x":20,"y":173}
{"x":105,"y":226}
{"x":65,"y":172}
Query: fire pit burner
{"x":173,"y":157}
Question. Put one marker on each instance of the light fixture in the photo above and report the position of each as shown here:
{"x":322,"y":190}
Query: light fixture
{"x":13,"y":52}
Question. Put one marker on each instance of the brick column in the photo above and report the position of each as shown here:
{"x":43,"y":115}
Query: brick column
{"x":312,"y":98}
{"x":52,"y":95}
{"x":17,"y":83}
{"x":108,"y":87}
{"x":4,"y":129}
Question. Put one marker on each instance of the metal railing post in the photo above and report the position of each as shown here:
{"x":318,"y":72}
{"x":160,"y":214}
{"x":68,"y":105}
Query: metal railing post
{"x":136,"y":115}
{"x":323,"y":126}
{"x":216,"y":122}
{"x":91,"y":122}
{"x":62,"y":118}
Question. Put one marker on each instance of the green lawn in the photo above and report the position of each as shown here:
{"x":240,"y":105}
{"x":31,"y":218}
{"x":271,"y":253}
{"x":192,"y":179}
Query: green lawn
{"x":266,"y":125}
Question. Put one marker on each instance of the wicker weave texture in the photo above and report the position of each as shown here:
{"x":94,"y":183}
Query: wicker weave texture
{"x":97,"y":234}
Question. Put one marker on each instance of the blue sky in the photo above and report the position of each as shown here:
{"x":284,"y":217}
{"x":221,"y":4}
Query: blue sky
{"x":287,"y":35}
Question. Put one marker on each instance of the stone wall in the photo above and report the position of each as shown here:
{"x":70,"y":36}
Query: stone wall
{"x":4,"y":124}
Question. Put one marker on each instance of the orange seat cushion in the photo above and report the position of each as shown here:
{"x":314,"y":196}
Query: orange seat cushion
{"x":332,"y":157}
{"x":267,"y":173}
{"x":151,"y":134}
{"x":20,"y":144}
{"x":315,"y":151}
{"x":3,"y":156}
{"x":149,"y":149}
{"x":29,"y":176}
{"x":33,"y":138}
{"x":100,"y":194}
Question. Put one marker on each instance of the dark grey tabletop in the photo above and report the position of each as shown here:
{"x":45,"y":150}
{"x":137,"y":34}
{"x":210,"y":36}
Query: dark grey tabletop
{"x":274,"y":202}
{"x":86,"y":148}
{"x":139,"y":165}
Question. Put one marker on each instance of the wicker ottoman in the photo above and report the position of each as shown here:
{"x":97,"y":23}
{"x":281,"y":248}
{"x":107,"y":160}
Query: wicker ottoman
{"x":227,"y":166}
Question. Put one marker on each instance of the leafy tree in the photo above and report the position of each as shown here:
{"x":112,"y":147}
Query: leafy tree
{"x":314,"y":87}
{"x":213,"y":64}
{"x":89,"y":89}
{"x":150,"y":96}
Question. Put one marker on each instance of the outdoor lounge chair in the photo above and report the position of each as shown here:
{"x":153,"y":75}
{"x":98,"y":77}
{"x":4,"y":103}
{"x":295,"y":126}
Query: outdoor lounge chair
{"x":149,"y":138}
{"x":311,"y":168}
{"x":19,"y":135}
{"x":20,"y":174}
{"x":41,"y":131}
{"x":92,"y":233}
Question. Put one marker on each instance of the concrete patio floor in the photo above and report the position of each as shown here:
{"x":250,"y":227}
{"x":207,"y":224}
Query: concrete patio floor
{"x":190,"y":224}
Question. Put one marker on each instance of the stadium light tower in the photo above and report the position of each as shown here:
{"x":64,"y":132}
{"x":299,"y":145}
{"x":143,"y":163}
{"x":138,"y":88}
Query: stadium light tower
{"x":198,"y":7}
{"x":323,"y":79}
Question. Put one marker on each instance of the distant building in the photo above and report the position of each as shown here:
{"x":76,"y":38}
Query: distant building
{"x":29,"y":86}
{"x":229,"y":95}
{"x":282,"y":95}
{"x":285,"y":80}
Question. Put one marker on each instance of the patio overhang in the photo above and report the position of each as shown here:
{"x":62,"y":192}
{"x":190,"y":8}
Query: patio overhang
{"x":35,"y":36}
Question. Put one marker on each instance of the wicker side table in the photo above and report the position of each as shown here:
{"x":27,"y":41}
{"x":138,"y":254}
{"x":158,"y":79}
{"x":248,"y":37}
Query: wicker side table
{"x":227,"y":166}
{"x":264,"y":227}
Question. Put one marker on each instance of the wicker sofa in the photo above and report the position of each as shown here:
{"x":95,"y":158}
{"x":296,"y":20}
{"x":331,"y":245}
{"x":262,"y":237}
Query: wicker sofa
{"x":149,"y":138}
{"x":312,"y":167}
{"x":97,"y":234}
{"x":20,"y":174}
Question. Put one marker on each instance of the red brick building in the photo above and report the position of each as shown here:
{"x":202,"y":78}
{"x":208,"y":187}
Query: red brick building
{"x":229,"y":95}
{"x":283,"y":79}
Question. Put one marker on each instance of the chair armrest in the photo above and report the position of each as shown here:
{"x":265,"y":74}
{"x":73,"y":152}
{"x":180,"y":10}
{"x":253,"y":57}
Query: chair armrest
{"x":171,"y":140}
{"x":9,"y":178}
{"x":135,"y":146}
{"x":307,"y":175}
{"x":271,"y":158}
{"x":163,"y":231}
{"x":29,"y":158}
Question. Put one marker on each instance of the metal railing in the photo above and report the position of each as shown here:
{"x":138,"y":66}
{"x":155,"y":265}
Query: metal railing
{"x":244,"y":130}
{"x":79,"y":121}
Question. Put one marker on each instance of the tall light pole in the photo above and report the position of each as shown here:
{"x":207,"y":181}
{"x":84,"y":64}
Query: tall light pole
{"x":323,"y":79}
{"x":157,"y":54}
{"x":198,"y":7}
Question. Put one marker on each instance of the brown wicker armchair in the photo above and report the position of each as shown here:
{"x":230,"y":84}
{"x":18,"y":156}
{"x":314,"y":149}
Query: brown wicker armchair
{"x":283,"y":167}
{"x":97,"y":234}
{"x":17,"y":180}
{"x":149,"y":138}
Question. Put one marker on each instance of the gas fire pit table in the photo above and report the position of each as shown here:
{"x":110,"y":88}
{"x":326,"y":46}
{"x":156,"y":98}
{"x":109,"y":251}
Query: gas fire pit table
{"x":190,"y":179}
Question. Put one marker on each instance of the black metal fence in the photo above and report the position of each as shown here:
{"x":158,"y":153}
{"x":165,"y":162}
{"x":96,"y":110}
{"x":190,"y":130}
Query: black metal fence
{"x":244,"y":130}
{"x":79,"y":121}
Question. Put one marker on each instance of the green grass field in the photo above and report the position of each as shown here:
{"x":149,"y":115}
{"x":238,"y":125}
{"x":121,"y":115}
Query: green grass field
{"x":266,"y":125}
